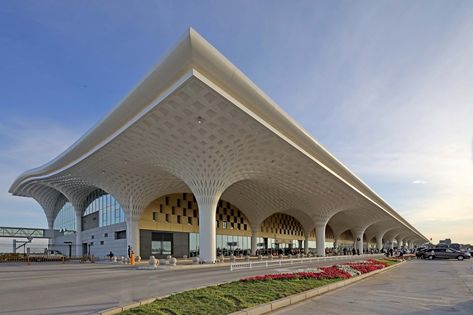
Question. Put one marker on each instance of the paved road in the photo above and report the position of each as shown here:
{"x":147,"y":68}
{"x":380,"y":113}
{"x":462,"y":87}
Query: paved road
{"x":88,"y":288}
{"x":417,"y":287}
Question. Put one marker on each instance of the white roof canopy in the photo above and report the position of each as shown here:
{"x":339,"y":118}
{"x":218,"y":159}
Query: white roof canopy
{"x":198,"y":124}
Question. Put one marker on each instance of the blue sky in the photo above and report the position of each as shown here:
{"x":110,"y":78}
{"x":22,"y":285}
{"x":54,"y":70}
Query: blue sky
{"x":387,"y":87}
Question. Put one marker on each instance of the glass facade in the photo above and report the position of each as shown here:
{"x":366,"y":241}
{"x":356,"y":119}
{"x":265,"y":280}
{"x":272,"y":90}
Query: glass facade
{"x":110,"y":211}
{"x":276,"y":245}
{"x":66,"y":219}
{"x":161,"y":244}
{"x":193,"y":244}
{"x":313,"y":245}
{"x":226,"y":244}
{"x":161,"y":248}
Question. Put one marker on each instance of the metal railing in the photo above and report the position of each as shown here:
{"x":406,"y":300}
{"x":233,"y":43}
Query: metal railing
{"x":294,"y":261}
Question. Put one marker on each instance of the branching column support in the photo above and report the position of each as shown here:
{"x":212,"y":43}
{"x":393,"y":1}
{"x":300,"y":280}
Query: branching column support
{"x":335,"y":241}
{"x":406,"y":243}
{"x":51,"y":230}
{"x":379,"y":241}
{"x":78,"y":232}
{"x":254,"y":239}
{"x":132,"y":226}
{"x":207,"y":227}
{"x":399,"y":243}
{"x":306,"y":241}
{"x":79,"y":209}
{"x":320,"y":237}
{"x":358,"y":238}
{"x":306,"y":244}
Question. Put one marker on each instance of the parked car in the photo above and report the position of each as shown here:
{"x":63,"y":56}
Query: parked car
{"x":48,"y":255}
{"x":445,"y":253}
{"x":420,"y":252}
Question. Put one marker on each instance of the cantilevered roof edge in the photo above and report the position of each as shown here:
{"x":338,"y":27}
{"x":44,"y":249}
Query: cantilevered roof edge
{"x":193,"y":51}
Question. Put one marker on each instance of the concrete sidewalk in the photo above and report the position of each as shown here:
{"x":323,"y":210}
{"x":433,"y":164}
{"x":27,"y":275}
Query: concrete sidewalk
{"x":417,"y":287}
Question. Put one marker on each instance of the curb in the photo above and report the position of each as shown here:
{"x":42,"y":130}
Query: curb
{"x":299,"y":297}
{"x":119,"y":309}
{"x":262,"y":308}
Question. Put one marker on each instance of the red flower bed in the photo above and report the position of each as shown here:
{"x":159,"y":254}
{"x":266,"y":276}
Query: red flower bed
{"x":378,"y":262}
{"x":366,"y":267}
{"x":333,"y":272}
{"x":327,"y":273}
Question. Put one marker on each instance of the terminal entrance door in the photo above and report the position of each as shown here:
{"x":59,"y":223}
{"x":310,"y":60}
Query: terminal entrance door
{"x":161,"y":244}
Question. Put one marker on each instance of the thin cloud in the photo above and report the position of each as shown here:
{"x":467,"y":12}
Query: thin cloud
{"x":418,"y":181}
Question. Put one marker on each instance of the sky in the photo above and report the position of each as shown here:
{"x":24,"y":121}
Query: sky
{"x":386,"y":86}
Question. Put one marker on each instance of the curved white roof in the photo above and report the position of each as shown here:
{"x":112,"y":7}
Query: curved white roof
{"x":197,"y":123}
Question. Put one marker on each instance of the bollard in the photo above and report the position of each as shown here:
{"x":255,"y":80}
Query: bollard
{"x":132,"y":259}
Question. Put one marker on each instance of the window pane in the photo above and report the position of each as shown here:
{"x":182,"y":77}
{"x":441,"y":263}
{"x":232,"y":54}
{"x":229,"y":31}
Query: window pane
{"x":167,"y":248}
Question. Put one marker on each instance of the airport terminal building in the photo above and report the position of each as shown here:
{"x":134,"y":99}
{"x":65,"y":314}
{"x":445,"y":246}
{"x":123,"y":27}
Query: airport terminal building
{"x":197,"y":160}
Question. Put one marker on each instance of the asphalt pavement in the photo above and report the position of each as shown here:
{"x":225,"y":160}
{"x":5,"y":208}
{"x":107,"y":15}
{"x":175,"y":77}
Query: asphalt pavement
{"x":75,"y":288}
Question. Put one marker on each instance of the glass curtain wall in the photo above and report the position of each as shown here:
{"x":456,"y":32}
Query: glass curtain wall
{"x":66,"y":219}
{"x":226,"y":244}
{"x":283,"y":247}
{"x":110,"y":211}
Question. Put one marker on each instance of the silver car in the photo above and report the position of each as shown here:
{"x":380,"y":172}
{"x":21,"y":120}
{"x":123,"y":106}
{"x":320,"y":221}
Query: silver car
{"x":445,"y":253}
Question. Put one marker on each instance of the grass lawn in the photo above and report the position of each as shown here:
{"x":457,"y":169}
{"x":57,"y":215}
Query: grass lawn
{"x":229,"y":297}
{"x":389,"y":262}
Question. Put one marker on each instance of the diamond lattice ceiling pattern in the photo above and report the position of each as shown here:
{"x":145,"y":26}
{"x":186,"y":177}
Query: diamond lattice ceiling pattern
{"x":197,"y":124}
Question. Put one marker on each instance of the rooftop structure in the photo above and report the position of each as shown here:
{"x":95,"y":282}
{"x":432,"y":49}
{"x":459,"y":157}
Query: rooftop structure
{"x":197,"y":125}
